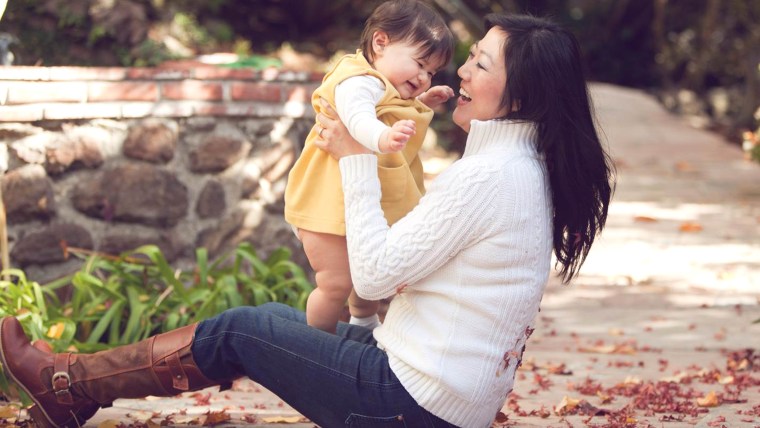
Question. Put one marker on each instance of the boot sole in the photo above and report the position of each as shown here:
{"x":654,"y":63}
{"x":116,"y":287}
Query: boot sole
{"x":36,"y":411}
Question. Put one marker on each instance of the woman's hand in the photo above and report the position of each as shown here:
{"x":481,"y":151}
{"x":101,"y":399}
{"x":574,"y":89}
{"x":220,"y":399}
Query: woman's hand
{"x":333,"y":137}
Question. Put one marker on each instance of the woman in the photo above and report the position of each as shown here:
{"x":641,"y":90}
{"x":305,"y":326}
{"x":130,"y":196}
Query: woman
{"x":468,"y":267}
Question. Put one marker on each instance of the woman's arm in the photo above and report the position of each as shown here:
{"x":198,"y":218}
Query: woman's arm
{"x":458,"y":210}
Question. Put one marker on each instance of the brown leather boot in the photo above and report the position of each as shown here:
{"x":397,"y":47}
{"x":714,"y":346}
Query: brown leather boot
{"x":65,"y":387}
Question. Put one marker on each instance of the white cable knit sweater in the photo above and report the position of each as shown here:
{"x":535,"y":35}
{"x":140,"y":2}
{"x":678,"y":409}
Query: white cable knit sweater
{"x":468,"y":267}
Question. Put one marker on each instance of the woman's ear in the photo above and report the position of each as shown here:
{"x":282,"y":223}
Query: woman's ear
{"x":380,"y":40}
{"x":516,"y":105}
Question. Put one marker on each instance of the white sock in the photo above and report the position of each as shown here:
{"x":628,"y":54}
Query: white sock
{"x":371,"y":322}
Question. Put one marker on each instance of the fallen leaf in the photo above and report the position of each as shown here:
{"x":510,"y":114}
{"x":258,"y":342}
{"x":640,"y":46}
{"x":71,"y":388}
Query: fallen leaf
{"x":185,"y":419}
{"x":709,"y":400}
{"x":690,"y":226}
{"x":644,"y":219}
{"x":251,"y":419}
{"x":283,"y":419}
{"x":606,"y":399}
{"x":201,"y":399}
{"x":609,"y":349}
{"x":501,"y":418}
{"x":216,"y":418}
{"x":566,"y":405}
{"x":7,"y":412}
{"x":631,"y":380}
{"x":558,"y":369}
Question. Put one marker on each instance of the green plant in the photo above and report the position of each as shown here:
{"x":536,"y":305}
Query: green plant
{"x":116,"y":300}
{"x":255,"y":61}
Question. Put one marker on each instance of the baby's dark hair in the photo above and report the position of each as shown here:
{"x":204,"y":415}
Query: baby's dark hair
{"x":413,"y":22}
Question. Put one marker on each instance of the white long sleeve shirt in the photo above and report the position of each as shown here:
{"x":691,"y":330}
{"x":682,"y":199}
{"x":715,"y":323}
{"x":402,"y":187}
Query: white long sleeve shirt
{"x":355,"y":102}
{"x":468,"y":267}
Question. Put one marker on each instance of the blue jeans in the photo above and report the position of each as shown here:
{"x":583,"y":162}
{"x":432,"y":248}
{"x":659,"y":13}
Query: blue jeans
{"x":335,"y":380}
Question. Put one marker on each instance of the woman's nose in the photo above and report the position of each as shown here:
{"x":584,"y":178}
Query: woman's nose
{"x":462,"y":70}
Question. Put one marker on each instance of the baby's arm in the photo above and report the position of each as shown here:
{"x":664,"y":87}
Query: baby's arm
{"x":355,"y":102}
{"x":436,"y":96}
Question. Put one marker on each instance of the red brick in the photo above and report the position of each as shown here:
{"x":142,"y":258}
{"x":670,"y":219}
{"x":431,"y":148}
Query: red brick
{"x":222,"y":73}
{"x":27,"y":113}
{"x":316,"y":76}
{"x":82,"y":111}
{"x":271,"y":92}
{"x":158,"y":74}
{"x":122,"y":91}
{"x":88,"y":73}
{"x":24,"y":73}
{"x":192,"y":90}
{"x":34,"y":92}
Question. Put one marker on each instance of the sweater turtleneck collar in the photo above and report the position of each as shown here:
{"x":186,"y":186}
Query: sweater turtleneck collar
{"x":501,"y":135}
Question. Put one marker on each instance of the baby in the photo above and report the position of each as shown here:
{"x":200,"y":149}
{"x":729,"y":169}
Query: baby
{"x":382,"y":94}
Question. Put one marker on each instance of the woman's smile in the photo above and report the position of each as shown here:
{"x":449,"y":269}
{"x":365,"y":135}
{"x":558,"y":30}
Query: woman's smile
{"x":483,"y":76}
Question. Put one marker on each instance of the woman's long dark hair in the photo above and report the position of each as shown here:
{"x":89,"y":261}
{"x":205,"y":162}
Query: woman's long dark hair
{"x":545,"y":83}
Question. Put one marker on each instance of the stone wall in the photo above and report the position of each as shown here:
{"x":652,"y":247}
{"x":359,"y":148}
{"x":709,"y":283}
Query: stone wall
{"x":112,"y":158}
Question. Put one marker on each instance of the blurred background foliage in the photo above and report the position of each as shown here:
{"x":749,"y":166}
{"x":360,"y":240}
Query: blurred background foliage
{"x":700,"y":57}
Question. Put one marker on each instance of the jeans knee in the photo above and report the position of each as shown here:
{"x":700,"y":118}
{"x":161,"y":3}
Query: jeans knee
{"x":249,"y":313}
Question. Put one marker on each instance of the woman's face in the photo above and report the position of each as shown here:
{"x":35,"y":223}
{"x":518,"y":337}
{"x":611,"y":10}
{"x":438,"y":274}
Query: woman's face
{"x":484,"y":79}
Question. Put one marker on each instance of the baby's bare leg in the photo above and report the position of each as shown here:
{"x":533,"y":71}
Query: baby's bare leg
{"x":361,"y":308}
{"x":328,"y":256}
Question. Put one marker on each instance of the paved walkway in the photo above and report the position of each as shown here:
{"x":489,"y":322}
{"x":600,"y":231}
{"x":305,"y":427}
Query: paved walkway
{"x":668,"y":294}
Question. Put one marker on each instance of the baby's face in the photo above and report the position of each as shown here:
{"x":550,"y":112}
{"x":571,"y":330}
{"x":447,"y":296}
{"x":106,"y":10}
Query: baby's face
{"x":406,"y":68}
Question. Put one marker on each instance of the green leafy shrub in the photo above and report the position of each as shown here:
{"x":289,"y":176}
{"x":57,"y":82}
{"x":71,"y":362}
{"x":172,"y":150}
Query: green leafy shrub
{"x":113,"y":301}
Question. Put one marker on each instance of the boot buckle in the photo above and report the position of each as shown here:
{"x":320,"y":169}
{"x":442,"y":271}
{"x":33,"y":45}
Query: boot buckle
{"x":61,"y":384}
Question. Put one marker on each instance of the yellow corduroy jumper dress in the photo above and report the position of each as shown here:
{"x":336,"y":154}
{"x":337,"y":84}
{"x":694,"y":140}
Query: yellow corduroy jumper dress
{"x":314,"y":196}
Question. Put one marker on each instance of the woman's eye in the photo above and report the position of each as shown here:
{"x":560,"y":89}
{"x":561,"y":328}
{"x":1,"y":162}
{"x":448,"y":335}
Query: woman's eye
{"x":480,"y":66}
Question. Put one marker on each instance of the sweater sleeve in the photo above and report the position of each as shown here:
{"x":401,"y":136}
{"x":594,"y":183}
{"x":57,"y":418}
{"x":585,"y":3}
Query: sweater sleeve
{"x":355,"y":102}
{"x":451,"y":216}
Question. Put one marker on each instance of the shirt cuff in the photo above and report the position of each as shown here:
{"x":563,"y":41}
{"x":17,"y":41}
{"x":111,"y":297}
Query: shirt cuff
{"x":356,"y":167}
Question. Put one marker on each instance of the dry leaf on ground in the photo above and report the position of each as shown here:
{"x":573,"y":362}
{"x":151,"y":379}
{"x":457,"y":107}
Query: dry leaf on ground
{"x":690,"y":226}
{"x":283,"y":419}
{"x":566,"y":405}
{"x":709,"y":400}
{"x":216,"y":418}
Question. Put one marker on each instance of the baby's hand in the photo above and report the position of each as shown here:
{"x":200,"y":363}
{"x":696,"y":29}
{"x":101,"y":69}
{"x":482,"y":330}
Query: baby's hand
{"x":394,"y":139}
{"x":436,"y":96}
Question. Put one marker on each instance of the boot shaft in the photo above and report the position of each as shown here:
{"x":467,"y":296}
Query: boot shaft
{"x":67,"y":387}
{"x":162,"y":365}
